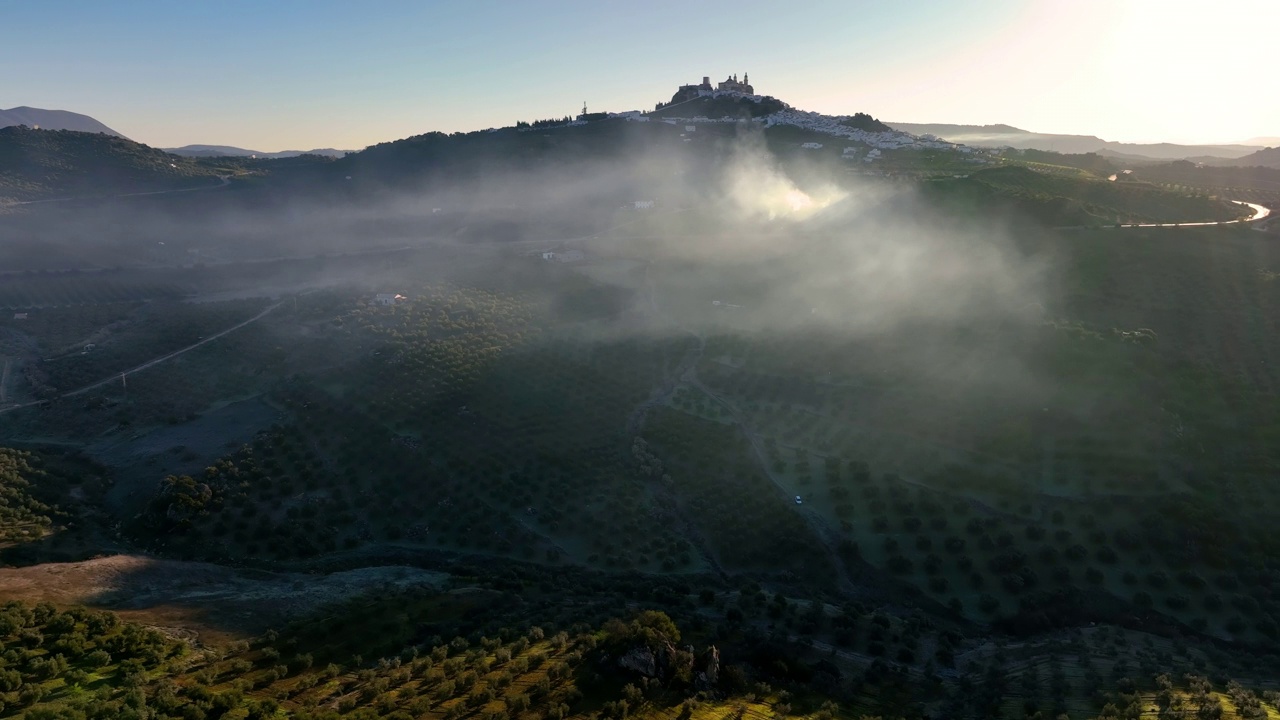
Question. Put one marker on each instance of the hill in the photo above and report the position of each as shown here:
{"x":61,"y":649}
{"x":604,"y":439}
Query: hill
{"x":52,"y":120}
{"x":653,"y":416}
{"x":231,"y":151}
{"x":1267,"y":157}
{"x":42,"y":164}
{"x":1081,"y":200}
{"x":1008,"y":136}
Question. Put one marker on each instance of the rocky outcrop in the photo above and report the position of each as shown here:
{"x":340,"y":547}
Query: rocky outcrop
{"x":640,"y":660}
{"x":665,"y":664}
{"x":708,"y":675}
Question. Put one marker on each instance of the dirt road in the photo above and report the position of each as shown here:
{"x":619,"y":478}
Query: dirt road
{"x":149,"y":363}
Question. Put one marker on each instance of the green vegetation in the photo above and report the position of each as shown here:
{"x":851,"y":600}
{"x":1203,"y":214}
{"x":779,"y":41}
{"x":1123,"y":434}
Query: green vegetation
{"x":1079,"y":198}
{"x":22,"y":517}
{"x":863,"y":121}
{"x":39,"y":164}
{"x":719,"y":467}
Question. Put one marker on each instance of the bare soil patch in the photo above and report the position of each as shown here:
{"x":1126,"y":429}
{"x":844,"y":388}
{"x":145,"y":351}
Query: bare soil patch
{"x":213,"y":601}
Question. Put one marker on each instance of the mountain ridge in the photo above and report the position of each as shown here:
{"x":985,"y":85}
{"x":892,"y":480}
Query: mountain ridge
{"x":993,"y":136}
{"x":233,"y":151}
{"x":53,"y":120}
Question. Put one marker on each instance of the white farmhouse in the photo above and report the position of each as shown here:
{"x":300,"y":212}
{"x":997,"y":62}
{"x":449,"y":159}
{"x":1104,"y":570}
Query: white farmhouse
{"x":644,"y":204}
{"x":812,"y":146}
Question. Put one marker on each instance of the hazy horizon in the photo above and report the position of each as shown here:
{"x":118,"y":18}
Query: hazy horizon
{"x":296,"y":76}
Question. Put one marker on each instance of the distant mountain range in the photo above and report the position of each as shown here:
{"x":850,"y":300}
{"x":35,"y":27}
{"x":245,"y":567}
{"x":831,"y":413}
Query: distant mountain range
{"x":52,"y":120}
{"x":1008,"y":136}
{"x":65,"y":120}
{"x":229,"y":151}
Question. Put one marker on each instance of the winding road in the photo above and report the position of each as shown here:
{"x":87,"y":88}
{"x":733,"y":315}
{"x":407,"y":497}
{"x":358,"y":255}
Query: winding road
{"x":1260,"y":212}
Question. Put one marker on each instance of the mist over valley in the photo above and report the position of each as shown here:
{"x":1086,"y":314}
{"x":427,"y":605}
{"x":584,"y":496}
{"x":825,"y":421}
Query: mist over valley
{"x":725,"y":408}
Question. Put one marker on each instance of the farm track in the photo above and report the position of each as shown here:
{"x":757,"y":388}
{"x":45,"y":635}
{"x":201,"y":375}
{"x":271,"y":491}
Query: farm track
{"x":149,"y":363}
{"x":687,"y":374}
{"x":820,"y":528}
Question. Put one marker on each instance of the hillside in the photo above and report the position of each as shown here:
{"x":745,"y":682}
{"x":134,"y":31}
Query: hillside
{"x":1267,"y":157}
{"x":40,"y":164}
{"x":53,"y":120}
{"x":1068,"y":201}
{"x":689,"y":415}
{"x":1264,"y":180}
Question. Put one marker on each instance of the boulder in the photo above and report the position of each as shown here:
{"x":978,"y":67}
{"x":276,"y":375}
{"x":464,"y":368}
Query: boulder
{"x":640,"y":660}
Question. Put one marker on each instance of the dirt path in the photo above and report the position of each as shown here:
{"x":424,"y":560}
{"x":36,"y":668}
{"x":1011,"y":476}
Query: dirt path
{"x":662,"y":394}
{"x":150,"y":363}
{"x":687,"y":373}
{"x":819,"y":526}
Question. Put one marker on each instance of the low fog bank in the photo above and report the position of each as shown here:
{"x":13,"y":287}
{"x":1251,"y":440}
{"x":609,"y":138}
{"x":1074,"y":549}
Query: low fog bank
{"x":796,"y":243}
{"x":814,"y":270}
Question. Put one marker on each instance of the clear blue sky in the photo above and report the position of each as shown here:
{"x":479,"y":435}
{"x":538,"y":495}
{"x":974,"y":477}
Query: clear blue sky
{"x":289,"y":74}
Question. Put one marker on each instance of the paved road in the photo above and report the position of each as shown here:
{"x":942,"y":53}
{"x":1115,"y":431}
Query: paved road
{"x":1259,"y":212}
{"x":149,"y":363}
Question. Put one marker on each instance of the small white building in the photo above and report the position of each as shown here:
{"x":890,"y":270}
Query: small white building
{"x":386,"y":299}
{"x":690,"y":128}
{"x":812,"y":146}
{"x":19,"y":316}
{"x":644,"y":204}
{"x":567,"y":256}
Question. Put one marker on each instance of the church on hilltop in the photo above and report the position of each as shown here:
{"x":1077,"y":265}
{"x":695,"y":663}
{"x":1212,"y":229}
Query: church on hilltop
{"x":726,"y":92}
{"x":729,"y":84}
